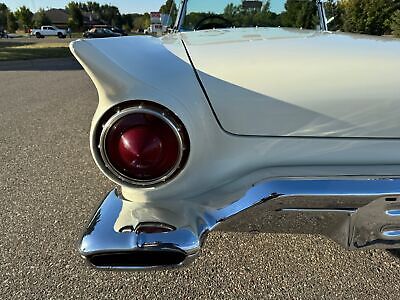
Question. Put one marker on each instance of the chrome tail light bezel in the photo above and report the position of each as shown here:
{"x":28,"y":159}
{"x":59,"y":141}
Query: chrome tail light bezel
{"x":116,"y":113}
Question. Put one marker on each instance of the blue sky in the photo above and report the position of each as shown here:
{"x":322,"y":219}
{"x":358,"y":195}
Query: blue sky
{"x":128,"y":6}
{"x":219,"y":5}
{"x":125,"y":6}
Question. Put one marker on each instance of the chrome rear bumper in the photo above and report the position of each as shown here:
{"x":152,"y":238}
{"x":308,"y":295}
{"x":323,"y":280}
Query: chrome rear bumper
{"x":356,"y":213}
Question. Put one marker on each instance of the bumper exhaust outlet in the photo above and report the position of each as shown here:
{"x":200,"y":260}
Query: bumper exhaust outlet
{"x":138,"y":259}
{"x":357,"y":213}
{"x":109,"y":243}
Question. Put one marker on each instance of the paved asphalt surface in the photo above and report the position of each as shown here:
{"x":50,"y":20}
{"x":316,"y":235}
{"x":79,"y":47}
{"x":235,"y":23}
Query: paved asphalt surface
{"x":50,"y":186}
{"x":29,"y":39}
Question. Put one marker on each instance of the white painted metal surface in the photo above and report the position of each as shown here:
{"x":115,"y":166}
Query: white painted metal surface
{"x":143,"y":68}
{"x":289,"y":82}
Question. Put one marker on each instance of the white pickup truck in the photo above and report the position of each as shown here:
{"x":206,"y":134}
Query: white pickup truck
{"x":49,"y":31}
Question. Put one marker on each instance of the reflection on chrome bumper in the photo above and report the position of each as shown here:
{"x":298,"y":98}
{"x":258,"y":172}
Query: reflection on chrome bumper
{"x":356,"y":213}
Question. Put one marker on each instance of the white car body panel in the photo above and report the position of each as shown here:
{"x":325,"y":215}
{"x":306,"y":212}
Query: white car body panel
{"x":289,"y":82}
{"x":218,"y":160}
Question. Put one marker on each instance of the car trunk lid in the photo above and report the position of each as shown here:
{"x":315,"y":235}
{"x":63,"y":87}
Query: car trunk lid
{"x":289,"y":82}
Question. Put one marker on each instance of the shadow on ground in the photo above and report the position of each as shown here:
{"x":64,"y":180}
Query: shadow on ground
{"x":10,"y":43}
{"x":51,"y":64}
{"x":395,"y":252}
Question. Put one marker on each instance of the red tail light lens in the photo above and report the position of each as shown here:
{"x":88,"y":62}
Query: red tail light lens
{"x":142,"y":146}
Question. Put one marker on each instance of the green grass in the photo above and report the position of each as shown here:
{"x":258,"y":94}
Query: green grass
{"x":77,"y":35}
{"x":32,"y":48}
{"x":26,"y":51}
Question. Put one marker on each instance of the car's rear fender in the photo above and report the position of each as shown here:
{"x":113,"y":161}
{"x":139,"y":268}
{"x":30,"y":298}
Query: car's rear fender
{"x":142,"y":68}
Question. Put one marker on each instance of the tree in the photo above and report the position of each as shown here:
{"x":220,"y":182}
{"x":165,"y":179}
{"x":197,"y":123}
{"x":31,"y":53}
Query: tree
{"x":12,"y":24}
{"x":300,"y":14}
{"x":395,"y":25}
{"x":75,"y":17}
{"x":378,"y":14}
{"x":111,"y":15}
{"x":41,"y":19}
{"x":93,"y":7}
{"x":169,"y":8}
{"x":82,"y":6}
{"x":239,"y":15}
{"x":230,"y":10}
{"x":166,"y":8}
{"x":24,"y":18}
{"x":334,"y":9}
{"x":127,"y":22}
{"x":368,"y":16}
{"x":141,"y":22}
{"x":3,"y":15}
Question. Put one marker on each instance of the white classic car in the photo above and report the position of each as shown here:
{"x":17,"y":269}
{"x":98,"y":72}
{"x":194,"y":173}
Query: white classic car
{"x":221,"y":125}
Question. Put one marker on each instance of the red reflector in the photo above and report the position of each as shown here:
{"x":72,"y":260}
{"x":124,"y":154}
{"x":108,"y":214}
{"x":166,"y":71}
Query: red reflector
{"x":143,"y":147}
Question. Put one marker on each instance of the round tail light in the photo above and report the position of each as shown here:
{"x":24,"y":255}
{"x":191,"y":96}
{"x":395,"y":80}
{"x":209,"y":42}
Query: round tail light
{"x":143,"y":146}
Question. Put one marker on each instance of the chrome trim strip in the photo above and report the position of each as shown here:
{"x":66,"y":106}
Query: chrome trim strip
{"x":323,"y":22}
{"x":320,"y":6}
{"x":181,"y":15}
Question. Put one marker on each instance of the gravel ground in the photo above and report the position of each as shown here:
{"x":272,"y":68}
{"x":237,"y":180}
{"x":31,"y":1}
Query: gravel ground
{"x":50,"y":186}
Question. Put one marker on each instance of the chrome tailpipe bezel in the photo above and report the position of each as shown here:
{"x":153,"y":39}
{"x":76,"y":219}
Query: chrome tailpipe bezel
{"x":105,"y":245}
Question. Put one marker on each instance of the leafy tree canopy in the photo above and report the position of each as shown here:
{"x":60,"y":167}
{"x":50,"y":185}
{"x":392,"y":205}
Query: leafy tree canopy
{"x":41,"y":19}
{"x":3,"y":15}
{"x":395,"y":24}
{"x":24,"y":17}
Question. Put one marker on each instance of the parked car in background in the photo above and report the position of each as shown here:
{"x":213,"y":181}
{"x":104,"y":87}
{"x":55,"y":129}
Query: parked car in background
{"x":49,"y":31}
{"x":112,"y":28}
{"x":226,"y":125}
{"x":118,"y":30}
{"x":100,"y":33}
{"x":3,"y":34}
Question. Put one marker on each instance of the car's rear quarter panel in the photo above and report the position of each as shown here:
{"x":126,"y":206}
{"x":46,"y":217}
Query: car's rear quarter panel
{"x":144,"y":68}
